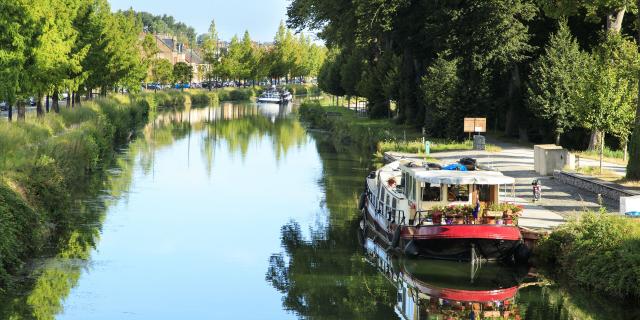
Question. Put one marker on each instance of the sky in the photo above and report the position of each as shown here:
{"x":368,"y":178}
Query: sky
{"x":260,"y":17}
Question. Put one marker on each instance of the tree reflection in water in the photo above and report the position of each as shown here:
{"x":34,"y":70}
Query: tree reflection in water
{"x":326,"y":276}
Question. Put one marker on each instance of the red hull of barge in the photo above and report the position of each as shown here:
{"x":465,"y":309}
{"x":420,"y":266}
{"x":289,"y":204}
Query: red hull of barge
{"x":466,"y":295}
{"x":455,"y":242}
{"x":461,"y":231}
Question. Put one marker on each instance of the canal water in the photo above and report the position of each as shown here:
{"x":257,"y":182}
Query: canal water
{"x":238,"y":212}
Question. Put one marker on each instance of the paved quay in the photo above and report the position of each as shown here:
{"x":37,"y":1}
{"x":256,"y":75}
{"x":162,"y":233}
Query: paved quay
{"x":559,"y":201}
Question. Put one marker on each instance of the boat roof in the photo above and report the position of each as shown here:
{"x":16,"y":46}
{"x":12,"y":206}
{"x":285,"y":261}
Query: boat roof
{"x":463,"y":177}
{"x":422,"y":174}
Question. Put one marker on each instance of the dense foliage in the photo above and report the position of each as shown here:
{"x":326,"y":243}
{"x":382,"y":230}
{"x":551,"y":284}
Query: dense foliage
{"x":598,"y":251}
{"x":47,"y":47}
{"x":517,"y":62}
{"x":288,"y":57}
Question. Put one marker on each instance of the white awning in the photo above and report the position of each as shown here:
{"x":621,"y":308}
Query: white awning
{"x":463,"y":177}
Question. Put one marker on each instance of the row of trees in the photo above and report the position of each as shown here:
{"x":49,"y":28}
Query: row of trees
{"x":527,"y":65}
{"x":288,"y":57}
{"x":52,"y":46}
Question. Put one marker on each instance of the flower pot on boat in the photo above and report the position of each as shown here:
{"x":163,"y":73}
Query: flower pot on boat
{"x":436,"y":217}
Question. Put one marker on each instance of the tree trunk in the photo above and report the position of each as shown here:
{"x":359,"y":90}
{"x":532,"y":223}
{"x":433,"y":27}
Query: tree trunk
{"x":514,"y":94}
{"x":39,"y":108}
{"x":73,"y":99}
{"x":55,"y":103}
{"x":78,"y":98}
{"x":557,"y":138}
{"x":594,"y":140}
{"x":10,"y":106}
{"x":614,"y":19}
{"x":68,"y":99}
{"x":21,"y":109}
{"x":47,"y":103}
{"x":601,"y":149}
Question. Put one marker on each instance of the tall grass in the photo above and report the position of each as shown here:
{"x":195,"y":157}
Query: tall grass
{"x":44,"y":160}
{"x":598,"y":251}
{"x":437,"y":145}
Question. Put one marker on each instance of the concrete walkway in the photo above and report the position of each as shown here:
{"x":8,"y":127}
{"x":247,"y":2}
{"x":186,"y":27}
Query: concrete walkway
{"x":559,"y":201}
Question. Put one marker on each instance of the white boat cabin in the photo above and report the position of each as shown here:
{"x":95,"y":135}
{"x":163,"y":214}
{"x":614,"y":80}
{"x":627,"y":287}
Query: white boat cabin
{"x":404,"y":188}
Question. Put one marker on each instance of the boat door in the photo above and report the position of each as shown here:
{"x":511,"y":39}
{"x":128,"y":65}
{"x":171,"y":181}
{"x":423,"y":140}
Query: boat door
{"x":486,"y":194}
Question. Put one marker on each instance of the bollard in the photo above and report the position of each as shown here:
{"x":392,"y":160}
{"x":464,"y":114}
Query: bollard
{"x":427,"y":147}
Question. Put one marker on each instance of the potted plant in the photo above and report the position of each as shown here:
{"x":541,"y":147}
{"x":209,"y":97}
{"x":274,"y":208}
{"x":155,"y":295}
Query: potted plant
{"x":493,"y":211}
{"x":436,"y":215}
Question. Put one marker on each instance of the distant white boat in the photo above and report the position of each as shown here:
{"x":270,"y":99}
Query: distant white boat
{"x":273,"y":95}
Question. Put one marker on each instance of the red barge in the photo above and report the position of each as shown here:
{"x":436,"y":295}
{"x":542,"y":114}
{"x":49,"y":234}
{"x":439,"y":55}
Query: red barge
{"x":422,"y":210}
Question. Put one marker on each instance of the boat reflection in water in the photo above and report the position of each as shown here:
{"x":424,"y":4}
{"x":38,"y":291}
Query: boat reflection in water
{"x":274,"y":111}
{"x":436,"y":289}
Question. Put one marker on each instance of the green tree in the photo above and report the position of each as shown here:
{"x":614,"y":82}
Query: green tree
{"x":608,"y":95}
{"x":593,"y":10}
{"x":231,"y":63}
{"x":149,"y":51}
{"x":16,"y":30}
{"x":555,"y":87}
{"x":182,"y":73}
{"x":633,"y":168}
{"x":210,"y":51}
{"x":283,"y":54}
{"x":162,"y":71}
{"x":439,"y":87}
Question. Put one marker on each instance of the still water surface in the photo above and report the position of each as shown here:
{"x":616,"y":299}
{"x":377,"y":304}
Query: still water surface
{"x":238,"y":212}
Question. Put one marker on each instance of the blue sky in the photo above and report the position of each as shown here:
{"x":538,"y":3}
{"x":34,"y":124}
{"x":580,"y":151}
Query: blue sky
{"x":260,"y":17}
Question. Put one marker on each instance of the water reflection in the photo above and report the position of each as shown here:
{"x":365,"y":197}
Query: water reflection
{"x":430,"y":289}
{"x":228,"y":128}
{"x":165,"y":215}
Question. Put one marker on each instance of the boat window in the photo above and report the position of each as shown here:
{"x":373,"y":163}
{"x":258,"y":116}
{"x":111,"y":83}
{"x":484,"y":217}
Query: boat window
{"x":411,"y":185}
{"x":404,"y":183}
{"x":430,"y":193}
{"x":458,"y":193}
{"x":484,"y":193}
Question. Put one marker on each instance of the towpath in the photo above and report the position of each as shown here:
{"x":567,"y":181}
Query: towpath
{"x":559,"y":201}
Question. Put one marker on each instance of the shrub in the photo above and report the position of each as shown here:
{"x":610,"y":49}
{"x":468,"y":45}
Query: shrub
{"x":598,"y":251}
{"x":20,"y":232}
{"x":42,"y":160}
{"x":205,"y":98}
{"x":241,"y":94}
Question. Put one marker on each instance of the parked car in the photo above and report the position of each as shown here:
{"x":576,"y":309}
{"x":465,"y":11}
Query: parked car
{"x":4,"y":106}
{"x":182,"y":86}
{"x":31,"y":101}
{"x":154,"y":86}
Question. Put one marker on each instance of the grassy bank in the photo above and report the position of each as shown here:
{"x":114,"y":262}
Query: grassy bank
{"x":612,"y":156}
{"x":350,"y":129}
{"x":597,"y":251}
{"x":43,"y":162}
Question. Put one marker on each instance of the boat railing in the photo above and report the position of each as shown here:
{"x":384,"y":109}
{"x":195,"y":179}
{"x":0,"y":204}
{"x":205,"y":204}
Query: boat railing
{"x":390,"y":213}
{"x":427,"y":217}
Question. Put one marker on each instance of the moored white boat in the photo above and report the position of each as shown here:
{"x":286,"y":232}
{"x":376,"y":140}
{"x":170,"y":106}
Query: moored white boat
{"x":423,"y":210}
{"x":274,"y":95}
